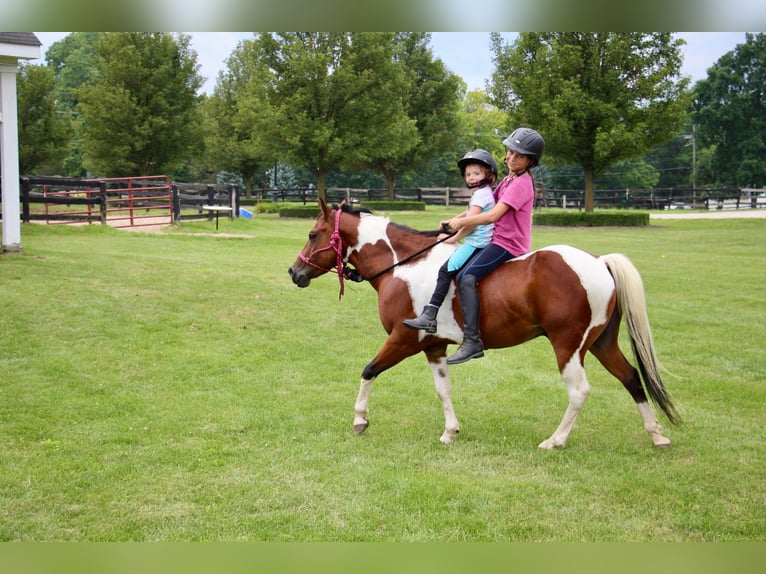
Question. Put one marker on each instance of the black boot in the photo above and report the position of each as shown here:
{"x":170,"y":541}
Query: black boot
{"x":426,"y":321}
{"x":471,"y":347}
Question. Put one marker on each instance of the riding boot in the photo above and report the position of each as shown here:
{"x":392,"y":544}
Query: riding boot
{"x":471,"y":347}
{"x":426,"y":320}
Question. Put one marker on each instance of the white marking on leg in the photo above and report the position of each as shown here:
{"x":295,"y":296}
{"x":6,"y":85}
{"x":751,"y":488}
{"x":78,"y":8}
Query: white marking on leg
{"x":360,"y":408}
{"x":444,"y":392}
{"x":578,"y":390}
{"x":651,"y":425}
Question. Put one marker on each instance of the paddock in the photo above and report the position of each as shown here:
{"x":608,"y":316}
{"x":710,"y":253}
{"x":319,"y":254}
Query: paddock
{"x":173,"y":387}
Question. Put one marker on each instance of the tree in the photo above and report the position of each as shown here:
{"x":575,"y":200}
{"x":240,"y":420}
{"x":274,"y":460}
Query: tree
{"x":140,"y":111}
{"x":430,"y":98}
{"x":42,"y":132}
{"x":236,"y":143}
{"x":72,"y":60}
{"x":597,"y":98}
{"x":730,"y":113}
{"x":331,"y":99}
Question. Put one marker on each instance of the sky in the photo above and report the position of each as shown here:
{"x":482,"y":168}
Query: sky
{"x":466,"y":54}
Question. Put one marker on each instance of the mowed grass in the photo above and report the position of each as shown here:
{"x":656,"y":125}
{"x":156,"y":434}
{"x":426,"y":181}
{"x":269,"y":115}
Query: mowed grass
{"x":178,"y":387}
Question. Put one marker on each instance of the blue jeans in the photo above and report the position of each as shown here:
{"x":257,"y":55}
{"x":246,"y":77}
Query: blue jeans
{"x":483,"y":262}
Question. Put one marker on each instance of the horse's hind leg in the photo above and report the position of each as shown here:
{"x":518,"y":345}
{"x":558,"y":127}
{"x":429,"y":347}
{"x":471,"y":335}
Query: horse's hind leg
{"x":578,"y":390}
{"x":608,"y":352}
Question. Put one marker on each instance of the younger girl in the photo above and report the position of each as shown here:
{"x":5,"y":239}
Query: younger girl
{"x":479,"y":172}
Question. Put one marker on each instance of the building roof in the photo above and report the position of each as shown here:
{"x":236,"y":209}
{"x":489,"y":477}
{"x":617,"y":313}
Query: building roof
{"x":20,"y":38}
{"x":15,"y":46}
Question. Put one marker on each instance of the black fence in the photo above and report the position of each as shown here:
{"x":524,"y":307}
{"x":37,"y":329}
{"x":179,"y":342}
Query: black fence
{"x":647,"y":199}
{"x":121,"y":202}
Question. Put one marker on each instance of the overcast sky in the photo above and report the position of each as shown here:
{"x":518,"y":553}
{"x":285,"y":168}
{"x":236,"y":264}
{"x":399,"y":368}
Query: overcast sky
{"x":466,"y":54}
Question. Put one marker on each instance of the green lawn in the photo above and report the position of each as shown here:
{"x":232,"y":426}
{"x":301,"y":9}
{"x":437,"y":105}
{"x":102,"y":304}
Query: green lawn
{"x":178,"y":387}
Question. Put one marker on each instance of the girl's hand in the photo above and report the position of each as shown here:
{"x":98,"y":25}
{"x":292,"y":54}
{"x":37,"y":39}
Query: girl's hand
{"x":451,"y":225}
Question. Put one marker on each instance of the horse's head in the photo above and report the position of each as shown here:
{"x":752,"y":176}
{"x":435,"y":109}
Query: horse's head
{"x":323,"y":251}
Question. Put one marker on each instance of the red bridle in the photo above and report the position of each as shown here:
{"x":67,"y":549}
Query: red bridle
{"x":336,"y":244}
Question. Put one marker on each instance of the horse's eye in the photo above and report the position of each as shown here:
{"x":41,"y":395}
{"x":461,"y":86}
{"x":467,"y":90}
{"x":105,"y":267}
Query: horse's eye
{"x":312,"y":236}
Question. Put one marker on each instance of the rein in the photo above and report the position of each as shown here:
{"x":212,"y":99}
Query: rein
{"x":344,"y":271}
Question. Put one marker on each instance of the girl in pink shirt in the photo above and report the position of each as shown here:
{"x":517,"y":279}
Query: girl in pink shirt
{"x":512,"y":236}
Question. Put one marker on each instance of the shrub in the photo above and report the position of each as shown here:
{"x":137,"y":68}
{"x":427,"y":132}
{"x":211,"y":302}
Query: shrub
{"x":561,"y":218}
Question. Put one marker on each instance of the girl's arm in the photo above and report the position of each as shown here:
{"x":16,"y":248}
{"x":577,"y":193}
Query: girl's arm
{"x":480,"y":218}
{"x":465,"y":230}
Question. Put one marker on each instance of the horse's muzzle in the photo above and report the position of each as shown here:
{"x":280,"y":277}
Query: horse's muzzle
{"x":300,"y":279}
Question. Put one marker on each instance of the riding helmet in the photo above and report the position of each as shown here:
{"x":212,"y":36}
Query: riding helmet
{"x":481,"y":156}
{"x":526,"y":141}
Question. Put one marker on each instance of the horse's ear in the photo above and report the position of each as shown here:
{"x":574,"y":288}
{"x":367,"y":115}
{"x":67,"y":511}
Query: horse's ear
{"x":323,"y":206}
{"x":343,"y":202}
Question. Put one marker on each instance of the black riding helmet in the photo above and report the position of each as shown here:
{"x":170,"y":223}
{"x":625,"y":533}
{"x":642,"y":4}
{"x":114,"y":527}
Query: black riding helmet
{"x":481,"y":156}
{"x":528,"y":142}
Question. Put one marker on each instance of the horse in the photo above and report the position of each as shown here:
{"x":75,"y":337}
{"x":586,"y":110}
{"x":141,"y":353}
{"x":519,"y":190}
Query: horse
{"x":575,"y":299}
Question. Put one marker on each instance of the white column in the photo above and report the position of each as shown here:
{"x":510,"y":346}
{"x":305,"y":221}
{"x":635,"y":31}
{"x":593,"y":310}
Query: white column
{"x":9,"y":159}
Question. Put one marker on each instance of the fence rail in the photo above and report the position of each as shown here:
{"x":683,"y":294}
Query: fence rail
{"x":123,"y":202}
{"x":651,"y":199}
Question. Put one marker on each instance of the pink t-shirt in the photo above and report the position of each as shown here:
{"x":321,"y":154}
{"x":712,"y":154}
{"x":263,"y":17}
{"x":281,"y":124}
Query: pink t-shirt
{"x":513,"y":231}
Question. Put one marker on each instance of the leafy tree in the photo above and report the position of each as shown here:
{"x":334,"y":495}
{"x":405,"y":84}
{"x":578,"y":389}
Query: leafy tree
{"x":730,"y":113}
{"x":140,"y":111}
{"x":236,"y":143}
{"x":42,"y":132}
{"x":72,"y":60}
{"x":430,"y":97}
{"x":482,"y":125}
{"x":331,"y":99}
{"x":597,"y":98}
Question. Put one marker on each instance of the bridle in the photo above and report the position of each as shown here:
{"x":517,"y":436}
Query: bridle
{"x":344,"y":271}
{"x":336,"y":244}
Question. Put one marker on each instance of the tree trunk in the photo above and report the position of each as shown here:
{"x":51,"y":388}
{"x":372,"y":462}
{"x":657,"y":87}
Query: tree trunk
{"x":390,"y":181}
{"x":588,"y":189}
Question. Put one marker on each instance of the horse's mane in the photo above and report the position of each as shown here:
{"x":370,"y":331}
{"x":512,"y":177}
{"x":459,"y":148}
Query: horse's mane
{"x":346,"y":208}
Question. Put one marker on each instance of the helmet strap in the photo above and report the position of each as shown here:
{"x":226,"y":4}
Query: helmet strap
{"x":481,"y":183}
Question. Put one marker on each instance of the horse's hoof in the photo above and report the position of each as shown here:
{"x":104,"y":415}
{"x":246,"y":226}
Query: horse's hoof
{"x":662,"y":442}
{"x":361,"y":427}
{"x":549,"y":444}
{"x":448,"y":437}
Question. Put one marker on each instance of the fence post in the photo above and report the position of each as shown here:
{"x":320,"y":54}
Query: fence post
{"x":25,"y":188}
{"x":233,"y":201}
{"x":176,"y":199}
{"x":102,"y":201}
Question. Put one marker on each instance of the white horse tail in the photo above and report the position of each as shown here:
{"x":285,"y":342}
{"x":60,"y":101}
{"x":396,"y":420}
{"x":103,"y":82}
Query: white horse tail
{"x":631,"y":301}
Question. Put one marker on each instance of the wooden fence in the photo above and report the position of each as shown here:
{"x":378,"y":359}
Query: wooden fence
{"x":649,"y":199}
{"x":121,"y":202}
{"x":140,"y":200}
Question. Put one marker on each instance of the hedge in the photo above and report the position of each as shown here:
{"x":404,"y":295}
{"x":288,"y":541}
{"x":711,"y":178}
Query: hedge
{"x":562,"y":218}
{"x":397,"y":205}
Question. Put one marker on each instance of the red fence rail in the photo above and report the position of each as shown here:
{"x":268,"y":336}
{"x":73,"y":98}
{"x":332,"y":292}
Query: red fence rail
{"x":118,"y":202}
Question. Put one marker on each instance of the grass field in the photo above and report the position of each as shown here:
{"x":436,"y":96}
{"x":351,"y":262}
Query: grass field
{"x":178,"y":387}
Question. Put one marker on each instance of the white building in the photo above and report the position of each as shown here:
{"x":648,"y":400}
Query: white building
{"x":14,"y":46}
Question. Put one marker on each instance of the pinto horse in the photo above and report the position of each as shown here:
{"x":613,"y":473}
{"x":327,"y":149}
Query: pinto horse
{"x":573,"y":298}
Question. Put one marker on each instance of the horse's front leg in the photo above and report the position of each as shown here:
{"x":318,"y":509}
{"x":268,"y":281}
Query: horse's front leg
{"x":444,"y":392}
{"x":361,"y":406}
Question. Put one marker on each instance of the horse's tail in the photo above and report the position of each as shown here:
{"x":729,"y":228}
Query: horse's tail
{"x":631,"y":301}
